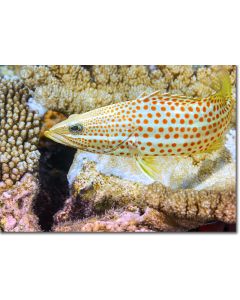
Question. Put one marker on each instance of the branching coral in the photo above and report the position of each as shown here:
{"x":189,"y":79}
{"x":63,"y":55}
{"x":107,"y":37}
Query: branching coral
{"x":19,"y":130}
{"x":75,"y":89}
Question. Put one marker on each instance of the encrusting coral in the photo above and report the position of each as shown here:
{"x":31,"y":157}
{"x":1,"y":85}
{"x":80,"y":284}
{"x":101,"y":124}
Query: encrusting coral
{"x":132,"y":219}
{"x":19,"y":130}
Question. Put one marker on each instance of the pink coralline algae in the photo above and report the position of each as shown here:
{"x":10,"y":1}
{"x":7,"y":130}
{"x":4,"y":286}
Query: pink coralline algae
{"x":16,"y":206}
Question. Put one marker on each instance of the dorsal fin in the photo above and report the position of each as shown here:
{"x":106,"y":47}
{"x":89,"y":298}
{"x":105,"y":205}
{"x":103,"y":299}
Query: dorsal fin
{"x":144,"y":96}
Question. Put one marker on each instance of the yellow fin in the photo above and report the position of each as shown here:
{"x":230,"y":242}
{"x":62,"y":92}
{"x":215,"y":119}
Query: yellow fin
{"x":215,"y":146}
{"x":144,"y":95}
{"x":225,"y":90}
{"x":148,"y":165}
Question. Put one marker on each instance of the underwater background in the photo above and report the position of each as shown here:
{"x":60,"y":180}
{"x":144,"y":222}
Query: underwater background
{"x":46,"y":186}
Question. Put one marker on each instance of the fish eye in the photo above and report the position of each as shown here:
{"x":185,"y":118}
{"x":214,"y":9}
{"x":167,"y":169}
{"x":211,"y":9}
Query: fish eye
{"x":76,"y":128}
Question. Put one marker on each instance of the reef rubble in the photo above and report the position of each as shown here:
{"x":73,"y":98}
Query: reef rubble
{"x":16,"y":206}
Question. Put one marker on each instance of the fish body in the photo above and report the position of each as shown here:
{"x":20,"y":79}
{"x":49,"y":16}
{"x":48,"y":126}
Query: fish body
{"x":152,"y":125}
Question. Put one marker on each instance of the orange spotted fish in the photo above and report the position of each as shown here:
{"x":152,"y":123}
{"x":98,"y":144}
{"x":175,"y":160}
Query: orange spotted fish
{"x":152,"y":125}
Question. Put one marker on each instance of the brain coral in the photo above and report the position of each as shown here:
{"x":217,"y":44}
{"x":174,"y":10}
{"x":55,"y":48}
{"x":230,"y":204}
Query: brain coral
{"x":19,"y":130}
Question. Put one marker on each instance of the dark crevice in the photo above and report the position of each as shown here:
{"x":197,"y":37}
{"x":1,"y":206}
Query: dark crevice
{"x":54,"y":164}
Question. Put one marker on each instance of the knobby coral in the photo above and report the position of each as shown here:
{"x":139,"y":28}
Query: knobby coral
{"x":19,"y":130}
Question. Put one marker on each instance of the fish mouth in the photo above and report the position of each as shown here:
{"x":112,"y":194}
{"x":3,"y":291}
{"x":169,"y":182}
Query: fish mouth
{"x":58,"y":138}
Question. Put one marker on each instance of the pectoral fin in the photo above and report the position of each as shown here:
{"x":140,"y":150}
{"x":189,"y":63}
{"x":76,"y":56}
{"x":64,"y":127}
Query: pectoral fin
{"x":148,"y":165}
{"x":215,"y":146}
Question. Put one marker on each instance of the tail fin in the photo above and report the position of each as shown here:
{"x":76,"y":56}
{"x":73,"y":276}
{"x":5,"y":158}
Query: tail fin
{"x":225,"y":90}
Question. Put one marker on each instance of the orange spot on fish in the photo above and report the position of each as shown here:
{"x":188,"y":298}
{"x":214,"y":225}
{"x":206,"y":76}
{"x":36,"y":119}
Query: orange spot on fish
{"x":150,"y":129}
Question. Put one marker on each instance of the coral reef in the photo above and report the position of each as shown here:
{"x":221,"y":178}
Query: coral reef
{"x":108,"y":194}
{"x":129,"y":220}
{"x":16,"y":206}
{"x":76,"y":89}
{"x":102,"y":202}
{"x":19,"y":130}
